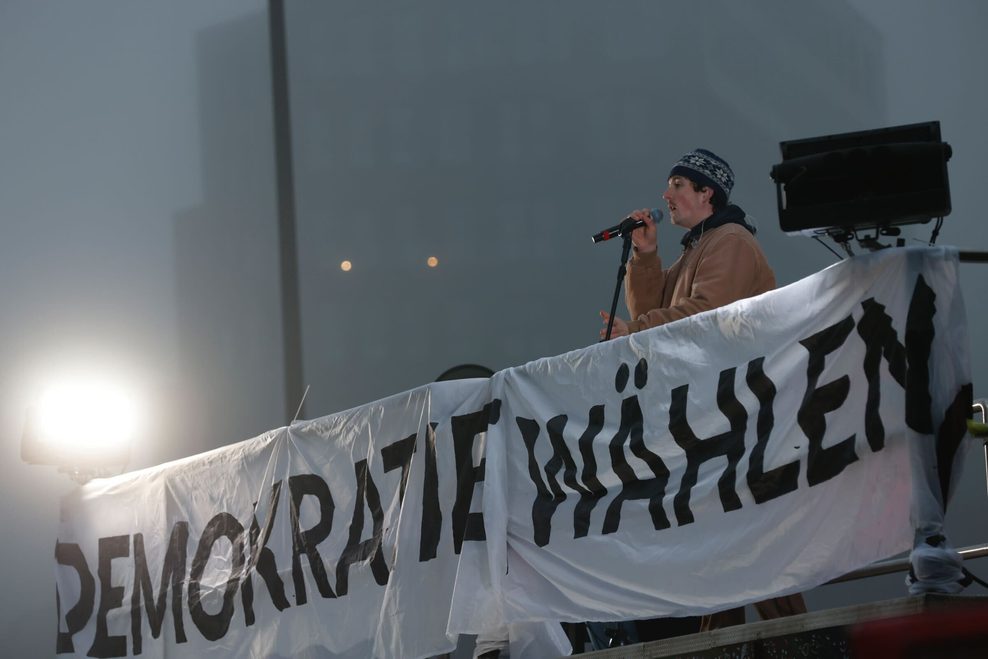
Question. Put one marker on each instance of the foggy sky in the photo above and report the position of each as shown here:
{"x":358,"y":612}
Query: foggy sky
{"x":138,"y":203}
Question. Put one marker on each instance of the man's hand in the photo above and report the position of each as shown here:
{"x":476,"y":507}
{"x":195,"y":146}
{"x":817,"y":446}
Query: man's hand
{"x":620,"y":327}
{"x":645,"y":239}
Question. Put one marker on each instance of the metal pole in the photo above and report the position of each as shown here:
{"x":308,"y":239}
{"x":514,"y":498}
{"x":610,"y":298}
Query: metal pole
{"x":902,"y":565}
{"x":291,"y":324}
{"x":973,"y":257}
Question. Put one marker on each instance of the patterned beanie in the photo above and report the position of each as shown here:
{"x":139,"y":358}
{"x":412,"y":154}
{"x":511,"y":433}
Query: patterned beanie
{"x":707,"y":169}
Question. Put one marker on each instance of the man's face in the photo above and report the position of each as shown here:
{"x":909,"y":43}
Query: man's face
{"x":687,"y":207}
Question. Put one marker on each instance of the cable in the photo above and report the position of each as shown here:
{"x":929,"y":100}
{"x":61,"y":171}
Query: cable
{"x":936,"y":231}
{"x":829,"y":248}
{"x":832,"y":250}
{"x":967,"y":573}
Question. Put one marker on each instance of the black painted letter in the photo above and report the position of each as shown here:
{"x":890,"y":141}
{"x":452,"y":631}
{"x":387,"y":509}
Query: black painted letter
{"x":70,"y":555}
{"x":305,"y":542}
{"x":824,"y":463}
{"x":214,"y":626}
{"x":357,"y":550}
{"x":631,"y":431}
{"x":110,"y":597}
{"x":729,"y":444}
{"x":262,"y":561}
{"x":465,"y":428}
{"x":766,"y":485}
{"x":432,"y":514}
{"x":172,"y":576}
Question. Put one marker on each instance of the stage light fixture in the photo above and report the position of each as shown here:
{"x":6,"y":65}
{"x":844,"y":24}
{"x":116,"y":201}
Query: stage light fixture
{"x":84,"y":427}
{"x":876,"y":180}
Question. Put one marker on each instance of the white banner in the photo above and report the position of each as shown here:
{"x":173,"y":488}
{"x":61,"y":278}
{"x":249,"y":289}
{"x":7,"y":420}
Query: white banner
{"x":759,"y":449}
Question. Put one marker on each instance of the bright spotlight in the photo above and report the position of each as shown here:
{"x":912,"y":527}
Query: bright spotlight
{"x":82,"y":426}
{"x":432,"y":261}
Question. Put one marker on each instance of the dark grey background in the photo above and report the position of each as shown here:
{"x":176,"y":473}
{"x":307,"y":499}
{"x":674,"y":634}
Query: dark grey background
{"x":138,"y":200}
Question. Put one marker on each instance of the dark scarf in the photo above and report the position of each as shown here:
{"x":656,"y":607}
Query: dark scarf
{"x":728,"y":215}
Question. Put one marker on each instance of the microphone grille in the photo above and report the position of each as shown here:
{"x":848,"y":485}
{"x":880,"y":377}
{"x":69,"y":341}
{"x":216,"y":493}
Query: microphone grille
{"x":656,"y":215}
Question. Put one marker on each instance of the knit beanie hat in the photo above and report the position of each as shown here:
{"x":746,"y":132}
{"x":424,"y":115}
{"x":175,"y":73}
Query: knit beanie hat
{"x":707,"y":169}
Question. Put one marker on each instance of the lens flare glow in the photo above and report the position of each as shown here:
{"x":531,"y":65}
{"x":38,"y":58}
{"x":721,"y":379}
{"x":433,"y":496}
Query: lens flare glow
{"x":82,"y":413}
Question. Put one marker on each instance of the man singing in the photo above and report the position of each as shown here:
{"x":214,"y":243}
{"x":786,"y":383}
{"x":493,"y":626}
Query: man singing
{"x":721,"y":262}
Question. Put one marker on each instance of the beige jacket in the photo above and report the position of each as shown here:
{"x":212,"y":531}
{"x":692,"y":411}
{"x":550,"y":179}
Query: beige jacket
{"x":724,"y":265}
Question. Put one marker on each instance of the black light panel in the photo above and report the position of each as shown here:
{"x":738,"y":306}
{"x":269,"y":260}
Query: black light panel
{"x":863,"y":180}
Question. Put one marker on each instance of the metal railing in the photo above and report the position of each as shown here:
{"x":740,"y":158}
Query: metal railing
{"x":902,"y":565}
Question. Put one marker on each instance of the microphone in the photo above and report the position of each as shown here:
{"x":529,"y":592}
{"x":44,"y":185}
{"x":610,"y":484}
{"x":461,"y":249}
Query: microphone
{"x":626,"y":227}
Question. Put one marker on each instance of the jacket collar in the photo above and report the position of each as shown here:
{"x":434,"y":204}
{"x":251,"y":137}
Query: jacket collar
{"x":730,"y":214}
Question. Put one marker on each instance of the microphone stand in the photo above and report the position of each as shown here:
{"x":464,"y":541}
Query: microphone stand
{"x":625,"y":252}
